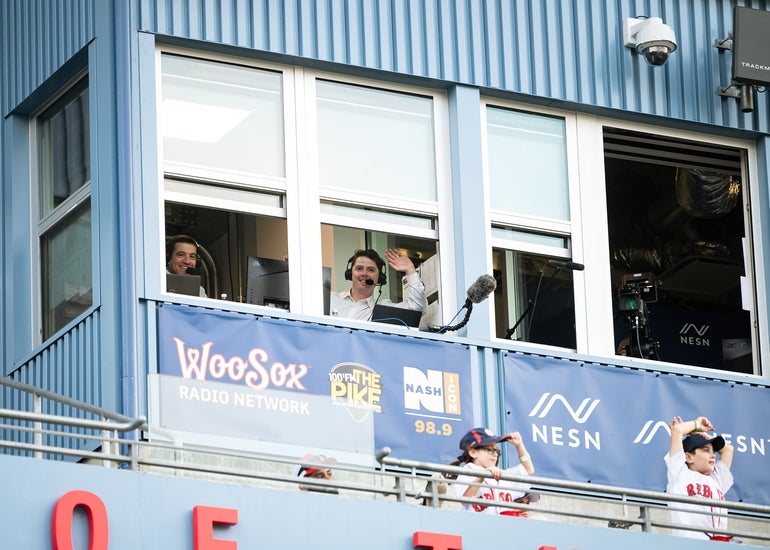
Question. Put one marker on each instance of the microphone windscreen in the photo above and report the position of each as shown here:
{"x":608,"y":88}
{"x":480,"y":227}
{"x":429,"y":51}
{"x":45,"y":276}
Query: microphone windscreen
{"x":369,"y":282}
{"x":482,"y":288}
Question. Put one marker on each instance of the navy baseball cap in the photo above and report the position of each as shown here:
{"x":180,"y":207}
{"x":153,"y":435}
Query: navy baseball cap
{"x":694,"y":441}
{"x":480,"y":437}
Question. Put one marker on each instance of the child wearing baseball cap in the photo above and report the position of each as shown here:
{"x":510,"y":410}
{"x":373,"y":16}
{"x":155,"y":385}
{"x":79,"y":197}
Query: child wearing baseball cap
{"x":481,"y":453}
{"x":316,"y":467}
{"x":693,"y":470}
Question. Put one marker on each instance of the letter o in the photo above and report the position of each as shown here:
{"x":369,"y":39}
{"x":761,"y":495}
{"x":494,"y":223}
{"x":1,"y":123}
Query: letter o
{"x":61,"y":521}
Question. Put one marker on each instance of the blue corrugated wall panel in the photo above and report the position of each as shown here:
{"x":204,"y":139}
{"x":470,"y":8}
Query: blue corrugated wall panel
{"x":566,"y":50}
{"x":36,"y":38}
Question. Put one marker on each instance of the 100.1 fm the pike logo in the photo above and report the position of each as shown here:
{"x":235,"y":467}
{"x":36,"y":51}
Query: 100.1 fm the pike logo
{"x":356,"y":387}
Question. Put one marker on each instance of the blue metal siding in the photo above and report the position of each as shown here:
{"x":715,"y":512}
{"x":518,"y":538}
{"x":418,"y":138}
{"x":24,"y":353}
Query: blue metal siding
{"x":36,"y":38}
{"x":566,"y":50}
{"x":70,"y":365}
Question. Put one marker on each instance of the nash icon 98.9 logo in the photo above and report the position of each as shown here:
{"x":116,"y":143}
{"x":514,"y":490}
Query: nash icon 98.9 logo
{"x":433,"y":390}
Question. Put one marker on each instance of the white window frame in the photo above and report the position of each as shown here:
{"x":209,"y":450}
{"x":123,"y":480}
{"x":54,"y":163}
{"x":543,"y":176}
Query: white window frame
{"x":570,"y":230}
{"x":598,"y":291}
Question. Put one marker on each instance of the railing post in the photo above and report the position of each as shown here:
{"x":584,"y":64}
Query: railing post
{"x":37,"y":435}
{"x":644,"y":514}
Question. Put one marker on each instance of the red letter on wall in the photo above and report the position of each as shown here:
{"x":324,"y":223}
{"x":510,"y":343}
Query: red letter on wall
{"x":436,"y":541}
{"x":61,"y":522}
{"x":204,"y":518}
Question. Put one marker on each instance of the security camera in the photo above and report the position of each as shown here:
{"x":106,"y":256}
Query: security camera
{"x":650,"y":37}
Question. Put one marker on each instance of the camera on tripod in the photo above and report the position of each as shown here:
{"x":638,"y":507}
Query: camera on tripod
{"x":636,"y":290}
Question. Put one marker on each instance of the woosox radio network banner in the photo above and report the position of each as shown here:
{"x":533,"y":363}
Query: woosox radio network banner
{"x":259,"y":383}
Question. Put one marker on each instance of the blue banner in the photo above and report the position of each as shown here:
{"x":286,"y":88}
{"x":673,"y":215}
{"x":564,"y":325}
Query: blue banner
{"x":256,"y":378}
{"x":609,"y":425}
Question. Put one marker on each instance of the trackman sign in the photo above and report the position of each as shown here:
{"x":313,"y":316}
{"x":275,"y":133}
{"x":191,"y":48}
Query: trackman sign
{"x":559,"y":434}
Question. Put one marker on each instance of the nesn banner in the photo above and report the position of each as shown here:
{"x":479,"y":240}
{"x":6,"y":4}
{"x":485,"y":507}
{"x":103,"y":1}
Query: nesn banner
{"x":261,"y":383}
{"x":610,"y":425}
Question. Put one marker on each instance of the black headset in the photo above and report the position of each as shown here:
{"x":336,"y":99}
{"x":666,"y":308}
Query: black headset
{"x":372,"y":255}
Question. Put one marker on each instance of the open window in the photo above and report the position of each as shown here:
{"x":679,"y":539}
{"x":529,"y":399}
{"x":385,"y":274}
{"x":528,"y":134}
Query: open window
{"x":679,"y":247}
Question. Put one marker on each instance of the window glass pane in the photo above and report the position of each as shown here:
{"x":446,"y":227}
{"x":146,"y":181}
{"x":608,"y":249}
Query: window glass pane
{"x":527,"y":164}
{"x":515,"y":235}
{"x":63,"y":149}
{"x":66,"y":279}
{"x":227,"y":240}
{"x":223,"y":117}
{"x":340,"y":243}
{"x":376,"y":141}
{"x":370,"y":214}
{"x":544,"y":316}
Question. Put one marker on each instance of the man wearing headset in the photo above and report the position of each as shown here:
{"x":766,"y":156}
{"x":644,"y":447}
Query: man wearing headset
{"x":366,"y":271}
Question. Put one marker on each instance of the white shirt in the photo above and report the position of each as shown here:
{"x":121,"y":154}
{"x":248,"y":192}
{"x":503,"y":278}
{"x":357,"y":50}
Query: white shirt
{"x":343,"y":305}
{"x":685,"y":482}
{"x":492,"y":490}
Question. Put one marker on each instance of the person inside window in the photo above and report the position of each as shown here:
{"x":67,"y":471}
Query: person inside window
{"x":182,"y":257}
{"x":366,"y":271}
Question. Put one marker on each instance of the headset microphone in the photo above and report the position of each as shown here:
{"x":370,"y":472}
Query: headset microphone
{"x":369,"y":282}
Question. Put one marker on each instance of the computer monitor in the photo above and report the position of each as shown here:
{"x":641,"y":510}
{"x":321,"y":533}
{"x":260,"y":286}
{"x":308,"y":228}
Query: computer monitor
{"x":396,"y":315}
{"x":183,"y":284}
{"x":267,"y":282}
{"x":327,"y":289}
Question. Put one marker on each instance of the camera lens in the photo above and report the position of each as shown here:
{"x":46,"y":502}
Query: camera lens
{"x":656,"y":55}
{"x":630,"y":303}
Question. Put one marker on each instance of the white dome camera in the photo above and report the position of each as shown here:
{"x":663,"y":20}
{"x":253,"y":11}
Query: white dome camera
{"x":650,"y":37}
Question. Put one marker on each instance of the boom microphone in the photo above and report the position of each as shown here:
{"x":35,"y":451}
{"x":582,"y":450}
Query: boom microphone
{"x":477,"y":292}
{"x":369,"y":282}
{"x":572,"y":266}
{"x":480,"y":290}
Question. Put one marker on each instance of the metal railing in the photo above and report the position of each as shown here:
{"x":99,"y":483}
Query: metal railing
{"x":117,"y":441}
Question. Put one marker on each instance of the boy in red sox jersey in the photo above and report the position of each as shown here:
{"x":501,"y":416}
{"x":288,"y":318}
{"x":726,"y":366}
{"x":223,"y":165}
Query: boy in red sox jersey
{"x":481,"y":453}
{"x":693,"y":470}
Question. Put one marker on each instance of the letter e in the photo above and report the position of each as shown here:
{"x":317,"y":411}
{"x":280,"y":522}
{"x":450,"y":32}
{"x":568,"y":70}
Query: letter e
{"x":436,"y":541}
{"x":204,"y":518}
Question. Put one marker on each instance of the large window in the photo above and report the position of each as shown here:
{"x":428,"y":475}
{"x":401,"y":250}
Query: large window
{"x":379,"y":180}
{"x":279,"y":174}
{"x":529,"y":192}
{"x":64,"y":224}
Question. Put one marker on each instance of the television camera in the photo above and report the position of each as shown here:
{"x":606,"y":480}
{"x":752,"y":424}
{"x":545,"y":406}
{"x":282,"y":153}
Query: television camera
{"x":636,"y":290}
